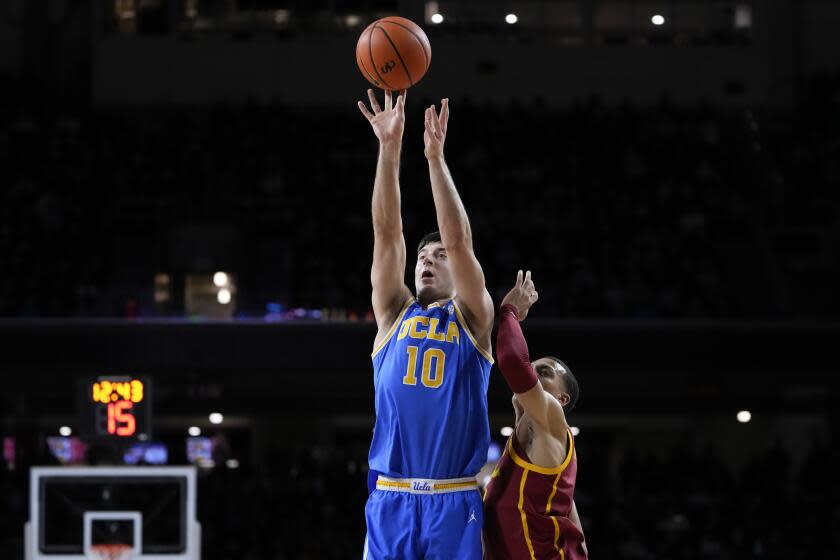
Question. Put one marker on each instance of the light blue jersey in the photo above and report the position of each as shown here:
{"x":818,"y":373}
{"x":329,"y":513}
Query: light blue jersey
{"x":430,"y":378}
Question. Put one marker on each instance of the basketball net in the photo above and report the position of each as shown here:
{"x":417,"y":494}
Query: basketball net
{"x":111,"y":551}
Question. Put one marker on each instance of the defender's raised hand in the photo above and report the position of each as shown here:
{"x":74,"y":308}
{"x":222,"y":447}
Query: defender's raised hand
{"x":522,"y":296}
{"x":435,"y":134}
{"x":387,"y":123}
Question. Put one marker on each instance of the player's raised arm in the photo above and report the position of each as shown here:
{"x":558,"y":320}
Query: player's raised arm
{"x":388,"y":271}
{"x":455,"y":231}
{"x":515,"y":362}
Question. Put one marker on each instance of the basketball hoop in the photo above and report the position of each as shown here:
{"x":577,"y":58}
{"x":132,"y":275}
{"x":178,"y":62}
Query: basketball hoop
{"x":111,"y":551}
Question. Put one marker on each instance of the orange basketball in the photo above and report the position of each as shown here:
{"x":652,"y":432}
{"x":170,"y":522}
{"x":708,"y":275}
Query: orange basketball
{"x":393,"y":53}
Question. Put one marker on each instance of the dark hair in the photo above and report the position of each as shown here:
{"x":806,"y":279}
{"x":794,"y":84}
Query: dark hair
{"x":572,"y":386}
{"x":433,"y":237}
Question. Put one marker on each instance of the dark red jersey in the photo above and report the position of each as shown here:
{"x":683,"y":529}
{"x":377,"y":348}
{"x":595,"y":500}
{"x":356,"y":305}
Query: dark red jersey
{"x":527,"y":509}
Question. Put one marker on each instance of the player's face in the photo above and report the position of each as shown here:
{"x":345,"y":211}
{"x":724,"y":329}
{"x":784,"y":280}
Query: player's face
{"x":550,"y":375}
{"x":432,"y":276}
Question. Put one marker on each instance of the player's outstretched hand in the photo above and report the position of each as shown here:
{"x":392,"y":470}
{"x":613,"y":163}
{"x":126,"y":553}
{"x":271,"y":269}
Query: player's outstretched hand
{"x":522,"y":296}
{"x":435,"y":134}
{"x":387,"y":123}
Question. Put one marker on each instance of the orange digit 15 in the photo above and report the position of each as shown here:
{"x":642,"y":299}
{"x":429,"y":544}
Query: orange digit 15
{"x":121,"y":422}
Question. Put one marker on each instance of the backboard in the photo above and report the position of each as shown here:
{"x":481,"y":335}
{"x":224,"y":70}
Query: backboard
{"x":151,"y":509}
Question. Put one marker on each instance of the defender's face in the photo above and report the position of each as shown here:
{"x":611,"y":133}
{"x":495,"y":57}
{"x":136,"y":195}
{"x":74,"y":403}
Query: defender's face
{"x":432,"y":275}
{"x":550,"y":375}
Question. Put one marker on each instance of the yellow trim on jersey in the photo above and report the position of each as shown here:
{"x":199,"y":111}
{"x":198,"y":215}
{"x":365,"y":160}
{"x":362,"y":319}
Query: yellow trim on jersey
{"x":389,"y":484}
{"x":456,"y":485}
{"x":554,"y":519}
{"x":557,"y":538}
{"x":536,"y":468}
{"x":393,"y":328}
{"x":463,"y":322}
{"x":522,"y":514}
{"x":553,"y":492}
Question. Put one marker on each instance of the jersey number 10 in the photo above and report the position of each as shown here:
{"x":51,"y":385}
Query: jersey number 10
{"x":430,"y":378}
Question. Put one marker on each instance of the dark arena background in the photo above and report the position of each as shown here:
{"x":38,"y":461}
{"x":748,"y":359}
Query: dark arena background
{"x":186,"y":243}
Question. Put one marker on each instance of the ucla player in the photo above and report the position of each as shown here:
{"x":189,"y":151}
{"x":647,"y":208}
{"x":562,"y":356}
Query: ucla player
{"x":431,"y":362}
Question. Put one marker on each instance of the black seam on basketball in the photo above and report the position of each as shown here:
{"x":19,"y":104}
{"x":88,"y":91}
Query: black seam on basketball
{"x":407,"y":73}
{"x":373,"y":62}
{"x":407,"y":28}
{"x":361,"y":59}
{"x":370,"y":76}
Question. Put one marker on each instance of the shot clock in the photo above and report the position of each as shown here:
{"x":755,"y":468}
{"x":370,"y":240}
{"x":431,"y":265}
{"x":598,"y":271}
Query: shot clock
{"x":116,"y":407}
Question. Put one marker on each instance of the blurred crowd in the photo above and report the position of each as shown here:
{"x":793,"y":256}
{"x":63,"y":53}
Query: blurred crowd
{"x":681,"y":501}
{"x":620,"y":211}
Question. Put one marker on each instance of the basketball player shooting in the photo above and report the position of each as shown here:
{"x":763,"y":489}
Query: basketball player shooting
{"x":431,"y":362}
{"x":530,"y":512}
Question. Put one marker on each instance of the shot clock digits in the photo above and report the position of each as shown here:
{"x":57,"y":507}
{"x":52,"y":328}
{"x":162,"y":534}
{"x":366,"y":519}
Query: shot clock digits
{"x":117,"y":407}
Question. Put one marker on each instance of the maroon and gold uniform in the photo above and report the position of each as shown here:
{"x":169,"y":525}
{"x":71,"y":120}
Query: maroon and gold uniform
{"x":527,"y":508}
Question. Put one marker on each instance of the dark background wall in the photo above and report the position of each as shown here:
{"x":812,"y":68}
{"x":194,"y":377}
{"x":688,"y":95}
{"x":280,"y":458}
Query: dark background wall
{"x":673,"y":189}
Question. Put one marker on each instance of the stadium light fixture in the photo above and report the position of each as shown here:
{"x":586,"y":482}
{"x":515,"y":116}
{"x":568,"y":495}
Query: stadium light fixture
{"x":220,"y":279}
{"x":658,"y":19}
{"x":194,"y":431}
{"x":65,"y":431}
{"x":744,"y":416}
{"x":437,"y":18}
{"x":511,"y":18}
{"x":216,"y":418}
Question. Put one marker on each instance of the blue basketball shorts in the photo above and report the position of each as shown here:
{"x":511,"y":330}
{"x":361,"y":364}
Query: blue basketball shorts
{"x":421,"y":519}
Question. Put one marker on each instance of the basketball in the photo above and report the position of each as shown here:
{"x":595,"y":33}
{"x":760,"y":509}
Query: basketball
{"x":393,"y":53}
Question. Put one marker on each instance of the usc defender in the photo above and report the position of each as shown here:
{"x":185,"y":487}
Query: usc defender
{"x":529,"y":507}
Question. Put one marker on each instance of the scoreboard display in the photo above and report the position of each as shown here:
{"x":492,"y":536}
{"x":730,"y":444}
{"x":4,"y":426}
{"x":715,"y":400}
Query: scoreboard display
{"x":116,"y":407}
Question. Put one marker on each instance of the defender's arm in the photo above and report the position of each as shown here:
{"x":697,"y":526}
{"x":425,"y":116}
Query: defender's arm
{"x":515,"y":362}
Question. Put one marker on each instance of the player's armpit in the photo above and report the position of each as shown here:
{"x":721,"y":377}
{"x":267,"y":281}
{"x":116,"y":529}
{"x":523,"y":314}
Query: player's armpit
{"x":545,"y":410}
